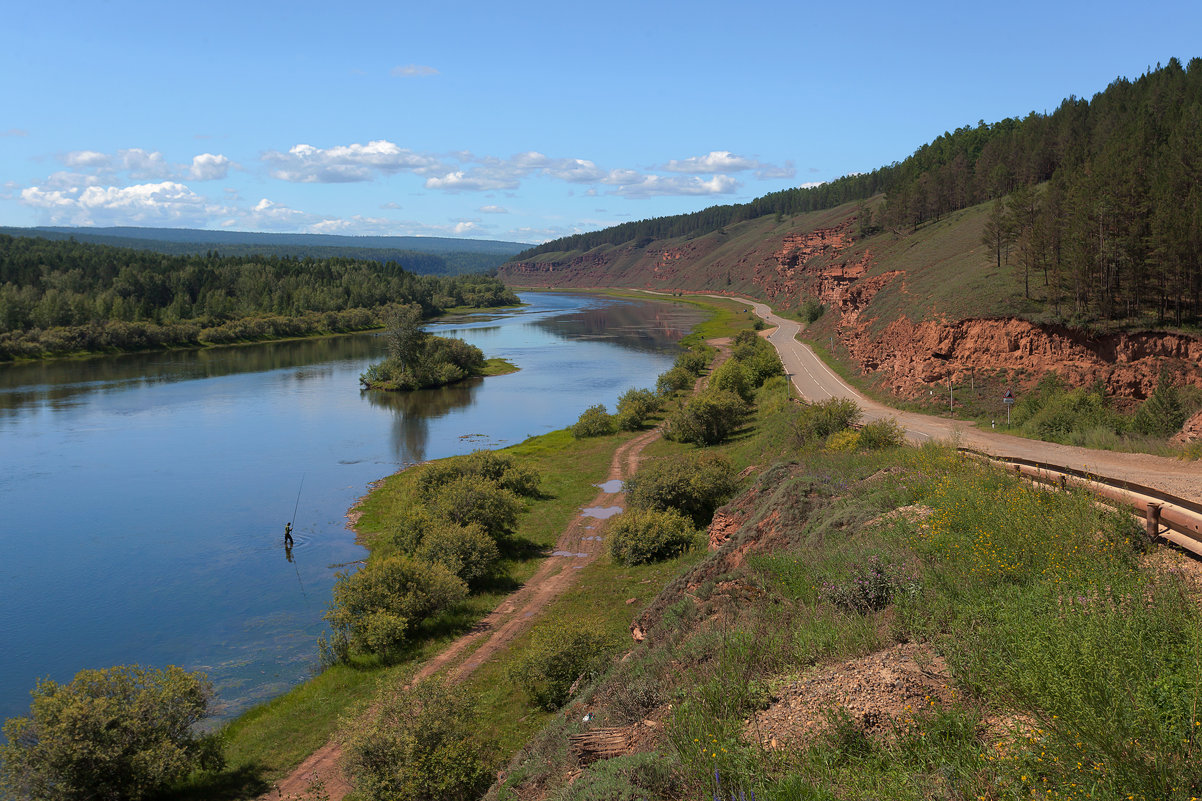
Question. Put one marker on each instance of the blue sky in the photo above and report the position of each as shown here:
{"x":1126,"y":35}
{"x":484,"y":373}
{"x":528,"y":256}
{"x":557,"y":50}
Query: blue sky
{"x":521,"y":121}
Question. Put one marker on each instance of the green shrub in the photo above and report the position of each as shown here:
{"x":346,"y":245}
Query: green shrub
{"x":556,"y":657}
{"x":881,"y":434}
{"x":121,"y":733}
{"x":521,"y":480}
{"x":675,"y":380}
{"x":817,"y":421}
{"x":403,"y":531}
{"x":694,"y":484}
{"x":1163,"y":413}
{"x":633,"y":777}
{"x":634,"y":407}
{"x":707,"y":418}
{"x":811,"y":310}
{"x":594,"y":422}
{"x":648,"y":535}
{"x":733,"y":376}
{"x":467,"y":551}
{"x":374,"y":609}
{"x":694,"y":361}
{"x":474,"y":499}
{"x":500,"y":468}
{"x":417,"y":744}
{"x":845,"y":441}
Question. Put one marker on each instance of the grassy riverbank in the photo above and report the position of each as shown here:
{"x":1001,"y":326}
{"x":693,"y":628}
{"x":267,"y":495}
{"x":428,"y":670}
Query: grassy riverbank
{"x":268,"y":741}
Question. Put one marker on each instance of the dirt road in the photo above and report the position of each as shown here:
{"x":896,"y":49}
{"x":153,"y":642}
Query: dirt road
{"x":577,"y":546}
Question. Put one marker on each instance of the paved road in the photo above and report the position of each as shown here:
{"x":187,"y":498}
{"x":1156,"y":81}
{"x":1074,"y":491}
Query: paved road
{"x":817,"y":382}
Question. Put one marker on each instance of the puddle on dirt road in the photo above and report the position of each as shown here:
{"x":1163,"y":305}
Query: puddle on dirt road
{"x":614,"y":485}
{"x":600,"y":512}
{"x":570,"y":553}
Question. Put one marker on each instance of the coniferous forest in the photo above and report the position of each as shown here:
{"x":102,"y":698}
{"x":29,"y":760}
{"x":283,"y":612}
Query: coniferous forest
{"x":1098,"y":203}
{"x":66,"y":297}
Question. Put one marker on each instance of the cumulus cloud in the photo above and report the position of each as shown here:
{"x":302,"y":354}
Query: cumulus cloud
{"x":811,"y":184}
{"x":166,"y":201}
{"x":209,"y":167}
{"x":346,"y":163}
{"x":413,"y":71}
{"x":712,"y":162}
{"x":492,"y":209}
{"x":478,"y":181}
{"x":86,"y":158}
{"x":659,"y":185}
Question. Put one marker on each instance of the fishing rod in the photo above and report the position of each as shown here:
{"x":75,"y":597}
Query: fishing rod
{"x":294,"y":567}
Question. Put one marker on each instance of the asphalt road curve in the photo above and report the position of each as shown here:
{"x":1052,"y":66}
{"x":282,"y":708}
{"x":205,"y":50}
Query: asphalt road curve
{"x":817,"y":382}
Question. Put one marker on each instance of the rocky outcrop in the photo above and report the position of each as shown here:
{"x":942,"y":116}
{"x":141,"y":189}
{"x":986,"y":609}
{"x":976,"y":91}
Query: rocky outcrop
{"x":1190,"y":432}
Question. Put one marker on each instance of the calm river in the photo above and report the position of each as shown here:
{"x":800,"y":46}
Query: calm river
{"x":143,"y":497}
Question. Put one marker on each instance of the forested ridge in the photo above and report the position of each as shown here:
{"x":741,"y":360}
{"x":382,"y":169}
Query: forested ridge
{"x":451,"y":257}
{"x":1098,"y":203}
{"x":66,"y":296}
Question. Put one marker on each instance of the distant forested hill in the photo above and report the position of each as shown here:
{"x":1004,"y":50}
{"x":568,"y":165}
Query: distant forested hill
{"x":425,"y":255}
{"x":1098,"y":203}
{"x":61,"y":296}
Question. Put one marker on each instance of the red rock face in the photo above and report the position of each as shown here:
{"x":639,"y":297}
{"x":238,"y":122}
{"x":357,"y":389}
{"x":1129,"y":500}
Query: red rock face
{"x":787,"y":269}
{"x":1190,"y":432}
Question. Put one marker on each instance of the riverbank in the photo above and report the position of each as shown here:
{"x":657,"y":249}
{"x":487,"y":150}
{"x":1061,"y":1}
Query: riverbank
{"x":361,"y":327}
{"x":267,"y":741}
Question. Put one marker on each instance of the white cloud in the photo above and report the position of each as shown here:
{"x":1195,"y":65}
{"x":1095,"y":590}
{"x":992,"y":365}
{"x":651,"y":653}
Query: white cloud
{"x":768,"y":172}
{"x":494,"y":210}
{"x":465,"y":227}
{"x":480,"y":181}
{"x":413,"y":71}
{"x":70,"y":180}
{"x":86,"y":158}
{"x":145,"y":165}
{"x":96,"y":205}
{"x":346,"y":163}
{"x":209,"y":167}
{"x":392,"y":204}
{"x":811,"y":184}
{"x":712,"y":162}
{"x":659,"y":185}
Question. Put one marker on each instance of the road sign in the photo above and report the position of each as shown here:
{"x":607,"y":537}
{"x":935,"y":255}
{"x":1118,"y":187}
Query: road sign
{"x":1008,"y":397}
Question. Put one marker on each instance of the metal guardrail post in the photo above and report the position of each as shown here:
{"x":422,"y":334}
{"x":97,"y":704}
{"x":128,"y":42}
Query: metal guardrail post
{"x":1153,"y":530}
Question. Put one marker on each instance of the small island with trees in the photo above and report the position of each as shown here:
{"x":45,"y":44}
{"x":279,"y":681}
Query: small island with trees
{"x":419,"y":360}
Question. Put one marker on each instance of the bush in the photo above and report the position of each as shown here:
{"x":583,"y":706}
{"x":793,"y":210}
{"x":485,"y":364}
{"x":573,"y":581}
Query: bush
{"x":594,"y":422}
{"x":707,"y":418}
{"x":1163,"y":413}
{"x":811,"y":310}
{"x":694,"y":484}
{"x":500,"y":468}
{"x":121,"y":733}
{"x":417,"y":745}
{"x":694,"y":361}
{"x":844,"y":441}
{"x":675,"y":380}
{"x":881,"y":434}
{"x":634,"y":407}
{"x":374,"y":609}
{"x":649,"y":535}
{"x":556,"y":658}
{"x":871,"y":588}
{"x":474,"y":499}
{"x":467,"y":551}
{"x":817,"y":421}
{"x":733,"y":376}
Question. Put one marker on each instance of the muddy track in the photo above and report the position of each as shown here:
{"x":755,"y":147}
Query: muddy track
{"x":577,"y":546}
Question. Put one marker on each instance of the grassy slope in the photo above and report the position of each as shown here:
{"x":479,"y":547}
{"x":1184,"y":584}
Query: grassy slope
{"x":1061,"y":684}
{"x":268,"y":741}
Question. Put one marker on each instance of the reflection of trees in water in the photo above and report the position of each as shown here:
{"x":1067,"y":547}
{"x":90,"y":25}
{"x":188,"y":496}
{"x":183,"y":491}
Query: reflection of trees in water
{"x":412,"y":412}
{"x":650,"y":327}
{"x":63,"y":380}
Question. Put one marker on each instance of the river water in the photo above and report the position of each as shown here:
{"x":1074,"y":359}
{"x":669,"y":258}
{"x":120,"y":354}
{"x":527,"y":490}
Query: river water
{"x":143,"y":497}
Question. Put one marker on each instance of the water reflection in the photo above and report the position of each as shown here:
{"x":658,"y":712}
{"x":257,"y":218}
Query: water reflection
{"x":412,"y":412}
{"x":628,"y":324}
{"x":64,"y":383}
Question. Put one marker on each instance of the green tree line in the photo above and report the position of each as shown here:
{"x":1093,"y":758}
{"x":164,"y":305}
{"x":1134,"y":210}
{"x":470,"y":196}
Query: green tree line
{"x":64,"y":296}
{"x":1116,"y":232}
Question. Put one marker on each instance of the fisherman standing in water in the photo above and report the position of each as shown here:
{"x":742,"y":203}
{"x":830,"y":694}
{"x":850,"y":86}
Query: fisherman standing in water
{"x":287,"y":535}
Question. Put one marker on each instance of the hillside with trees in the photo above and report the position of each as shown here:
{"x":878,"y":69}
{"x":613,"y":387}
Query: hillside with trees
{"x":1097,"y":204}
{"x":433,"y":255}
{"x":67,"y":297}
